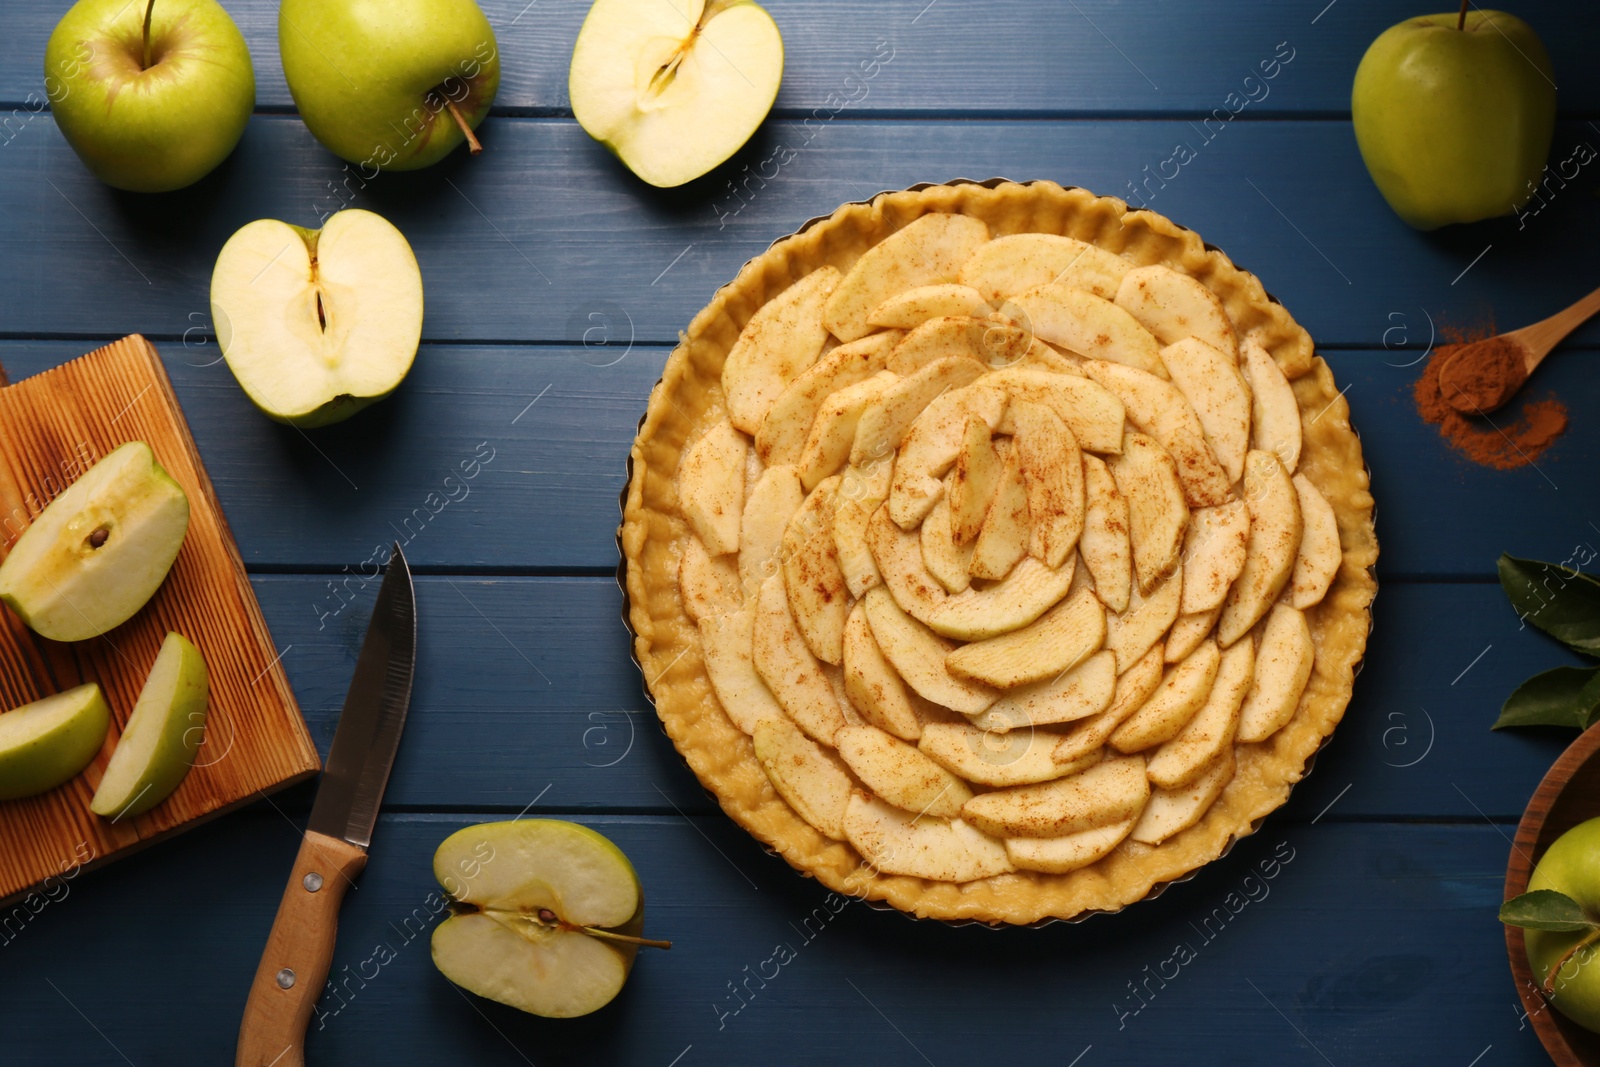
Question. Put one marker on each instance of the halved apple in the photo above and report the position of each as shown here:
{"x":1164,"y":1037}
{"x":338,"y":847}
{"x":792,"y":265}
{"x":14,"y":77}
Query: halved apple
{"x":158,"y":745}
{"x":318,"y":324}
{"x":547,"y":916}
{"x":100,"y":550}
{"x":674,"y":88}
{"x":50,"y":741}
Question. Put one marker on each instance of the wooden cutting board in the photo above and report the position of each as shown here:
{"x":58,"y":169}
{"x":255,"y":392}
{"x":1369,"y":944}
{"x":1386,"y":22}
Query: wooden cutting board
{"x":53,"y":427}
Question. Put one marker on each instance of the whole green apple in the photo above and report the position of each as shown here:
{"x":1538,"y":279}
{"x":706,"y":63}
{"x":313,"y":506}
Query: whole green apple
{"x":151,"y":94}
{"x":390,"y":85}
{"x":1570,"y":866}
{"x":1454,"y":123}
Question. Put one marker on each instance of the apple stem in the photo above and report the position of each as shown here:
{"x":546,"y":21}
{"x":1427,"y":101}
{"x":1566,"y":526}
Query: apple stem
{"x":473,"y":145}
{"x":1549,"y":985}
{"x":1461,"y":23}
{"x":547,"y":917}
{"x":149,"y":10}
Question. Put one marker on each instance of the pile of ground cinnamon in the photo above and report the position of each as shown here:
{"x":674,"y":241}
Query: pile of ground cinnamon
{"x":1511,"y":438}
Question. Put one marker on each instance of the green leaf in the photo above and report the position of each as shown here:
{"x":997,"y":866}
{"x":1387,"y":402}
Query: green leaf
{"x":1566,"y":696}
{"x":1562,"y":602}
{"x":1545,"y":909}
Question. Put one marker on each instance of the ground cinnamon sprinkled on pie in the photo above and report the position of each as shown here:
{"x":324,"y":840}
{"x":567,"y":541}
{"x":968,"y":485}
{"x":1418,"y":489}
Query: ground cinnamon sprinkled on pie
{"x":1505,"y":441}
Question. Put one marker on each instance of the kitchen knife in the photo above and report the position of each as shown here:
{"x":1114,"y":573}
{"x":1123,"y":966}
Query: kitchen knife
{"x":300,"y":949}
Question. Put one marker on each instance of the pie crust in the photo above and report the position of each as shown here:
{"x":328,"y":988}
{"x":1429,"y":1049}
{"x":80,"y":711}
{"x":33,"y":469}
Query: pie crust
{"x":689,"y":401}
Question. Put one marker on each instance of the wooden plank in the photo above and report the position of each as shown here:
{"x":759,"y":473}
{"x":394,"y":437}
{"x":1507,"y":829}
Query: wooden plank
{"x":52,"y":428}
{"x":1362,"y":940}
{"x":547,"y":496}
{"x":1095,"y":56}
{"x":524,"y":684}
{"x":509,"y":258}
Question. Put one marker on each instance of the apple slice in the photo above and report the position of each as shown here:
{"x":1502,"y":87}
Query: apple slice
{"x":1186,"y":758}
{"x":708,"y":584}
{"x":1134,"y":687}
{"x":1188,"y":631}
{"x":931,"y":446}
{"x":1111,"y":791}
{"x":547,"y":916}
{"x":727,"y":643}
{"x":1091,"y":411}
{"x":1088,"y":325}
{"x":1061,"y":855}
{"x":318,"y":324}
{"x":1132,"y":633}
{"x":1052,"y":470}
{"x":871,"y":685}
{"x":1283,"y":667}
{"x":51,"y":741}
{"x":996,"y":344}
{"x":1275,"y":529}
{"x":770,"y":504}
{"x":711,"y":487}
{"x":894,"y":841}
{"x":674,"y":89}
{"x":1021,"y":757}
{"x":1061,"y":639}
{"x":861,"y":492}
{"x":789,"y":669}
{"x":812,"y":576}
{"x":782,"y":339}
{"x":1030,"y":590}
{"x":1107,"y":553}
{"x":1147,"y":478}
{"x":1085,"y":690}
{"x":1159,"y":408}
{"x":1003,"y":537}
{"x":900,"y":774}
{"x":912,"y":308}
{"x":810,"y":777}
{"x":928,"y":250}
{"x":978,"y":473}
{"x":1274,"y":412}
{"x":1210,"y":381}
{"x":1172,"y":305}
{"x":898,"y":556}
{"x":1317,"y":563}
{"x":919,"y":655}
{"x":949,"y":563}
{"x":1213,"y":554}
{"x":788,"y":422}
{"x":1171,"y":811}
{"x":100,"y":550}
{"x":1182,"y":693}
{"x":885,"y":424}
{"x":1022,"y":261}
{"x":158,"y":745}
{"x":833,"y":432}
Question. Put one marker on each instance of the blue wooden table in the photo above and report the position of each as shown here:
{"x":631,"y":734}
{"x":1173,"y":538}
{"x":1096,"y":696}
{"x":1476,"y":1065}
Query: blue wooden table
{"x":1357,"y":927}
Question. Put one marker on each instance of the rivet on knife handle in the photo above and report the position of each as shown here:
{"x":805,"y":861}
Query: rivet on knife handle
{"x":294,"y":967}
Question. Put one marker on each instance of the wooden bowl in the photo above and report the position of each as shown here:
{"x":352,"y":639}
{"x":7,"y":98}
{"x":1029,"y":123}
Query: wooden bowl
{"x":1568,"y":795}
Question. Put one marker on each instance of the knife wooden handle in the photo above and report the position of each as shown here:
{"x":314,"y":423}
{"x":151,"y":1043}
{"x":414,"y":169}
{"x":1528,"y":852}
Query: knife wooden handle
{"x":299,"y":952}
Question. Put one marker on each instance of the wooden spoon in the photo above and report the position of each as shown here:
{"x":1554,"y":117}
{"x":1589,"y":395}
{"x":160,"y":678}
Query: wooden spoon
{"x":1483,"y":376}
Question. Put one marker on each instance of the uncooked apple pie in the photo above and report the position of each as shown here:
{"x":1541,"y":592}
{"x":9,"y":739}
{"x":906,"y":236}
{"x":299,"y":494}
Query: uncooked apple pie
{"x":997,"y":552}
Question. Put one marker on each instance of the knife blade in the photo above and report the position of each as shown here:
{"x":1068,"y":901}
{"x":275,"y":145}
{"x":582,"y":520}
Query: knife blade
{"x":299,"y":950}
